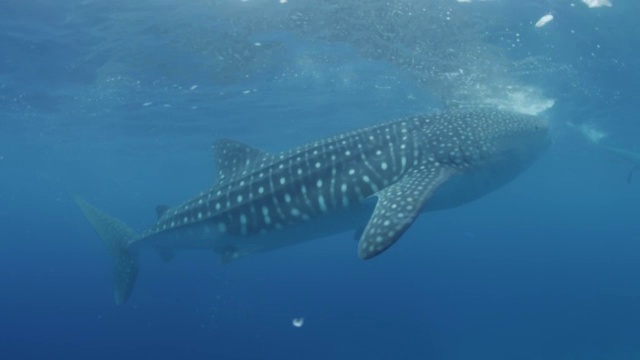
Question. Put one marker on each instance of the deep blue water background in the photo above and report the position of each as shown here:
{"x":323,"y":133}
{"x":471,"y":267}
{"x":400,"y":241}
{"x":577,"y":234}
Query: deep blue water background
{"x":545,"y":268}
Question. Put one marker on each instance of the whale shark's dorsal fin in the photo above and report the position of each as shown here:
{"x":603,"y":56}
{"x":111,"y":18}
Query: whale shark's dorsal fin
{"x":233,"y":156}
{"x":398,"y":206}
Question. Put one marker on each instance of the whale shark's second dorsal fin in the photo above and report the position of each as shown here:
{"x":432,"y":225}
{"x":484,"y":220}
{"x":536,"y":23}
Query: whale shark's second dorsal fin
{"x":161,"y":210}
{"x":232,"y":157}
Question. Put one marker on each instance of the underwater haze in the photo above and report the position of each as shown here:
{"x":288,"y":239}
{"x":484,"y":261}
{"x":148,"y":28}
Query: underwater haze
{"x":120,"y":102}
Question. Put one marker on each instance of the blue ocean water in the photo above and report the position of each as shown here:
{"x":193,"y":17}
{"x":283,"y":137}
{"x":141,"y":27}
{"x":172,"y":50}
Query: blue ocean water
{"x":120,"y":102}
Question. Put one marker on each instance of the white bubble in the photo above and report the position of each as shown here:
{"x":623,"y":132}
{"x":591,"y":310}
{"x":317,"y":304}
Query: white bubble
{"x":590,"y":132}
{"x":298,"y":322}
{"x":544,"y":20}
{"x":597,"y":3}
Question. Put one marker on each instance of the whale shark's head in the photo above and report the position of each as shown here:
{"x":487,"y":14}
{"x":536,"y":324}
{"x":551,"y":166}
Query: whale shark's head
{"x":485,"y":148}
{"x":469,"y":139}
{"x":517,"y":134}
{"x":516,"y":137}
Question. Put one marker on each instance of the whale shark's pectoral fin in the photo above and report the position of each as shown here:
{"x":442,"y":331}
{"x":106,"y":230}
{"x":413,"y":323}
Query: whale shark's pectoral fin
{"x":398,"y":206}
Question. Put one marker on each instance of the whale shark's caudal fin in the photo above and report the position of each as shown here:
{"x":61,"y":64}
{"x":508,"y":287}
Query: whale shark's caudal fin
{"x":118,"y":237}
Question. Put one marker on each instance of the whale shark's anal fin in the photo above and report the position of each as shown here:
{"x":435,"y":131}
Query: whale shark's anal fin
{"x":228,"y":254}
{"x":118,"y":236}
{"x":398,"y":206}
{"x":166,"y":254}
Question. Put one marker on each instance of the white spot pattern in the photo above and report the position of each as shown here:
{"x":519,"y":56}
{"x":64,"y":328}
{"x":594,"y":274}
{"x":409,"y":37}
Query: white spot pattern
{"x":272,"y":191}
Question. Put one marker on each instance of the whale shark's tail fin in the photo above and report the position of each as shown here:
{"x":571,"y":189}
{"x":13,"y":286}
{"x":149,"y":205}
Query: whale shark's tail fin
{"x":118,"y":237}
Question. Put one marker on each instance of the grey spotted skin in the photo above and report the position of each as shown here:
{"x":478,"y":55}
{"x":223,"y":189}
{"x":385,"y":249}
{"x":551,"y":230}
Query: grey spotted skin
{"x":262,"y":201}
{"x":260,"y":192}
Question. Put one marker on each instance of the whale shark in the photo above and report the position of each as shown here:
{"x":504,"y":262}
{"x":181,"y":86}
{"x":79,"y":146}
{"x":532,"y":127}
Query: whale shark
{"x":375,"y":180}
